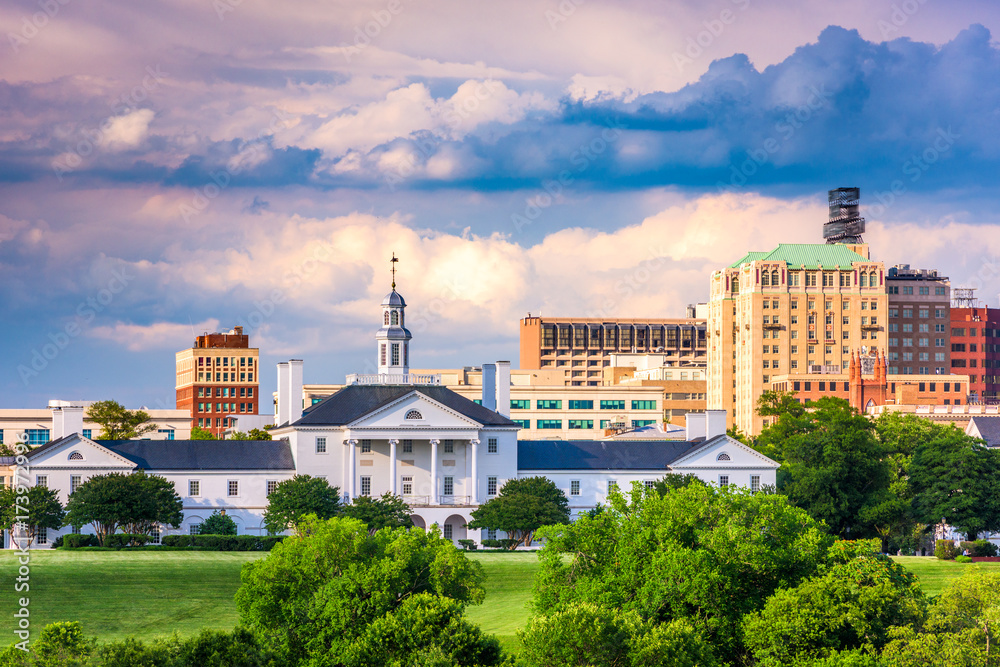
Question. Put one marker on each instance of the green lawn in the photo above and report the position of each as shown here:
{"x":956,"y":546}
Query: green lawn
{"x":147,"y":593}
{"x":935,"y":574}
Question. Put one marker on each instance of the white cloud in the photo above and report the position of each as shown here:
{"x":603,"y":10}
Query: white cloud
{"x":128,"y":131}
{"x":156,"y":336}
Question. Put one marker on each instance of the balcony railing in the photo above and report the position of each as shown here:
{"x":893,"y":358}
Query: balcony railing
{"x":425,"y":501}
{"x":395,"y":378}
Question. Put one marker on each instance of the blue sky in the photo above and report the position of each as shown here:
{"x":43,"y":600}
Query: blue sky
{"x":189,"y":166}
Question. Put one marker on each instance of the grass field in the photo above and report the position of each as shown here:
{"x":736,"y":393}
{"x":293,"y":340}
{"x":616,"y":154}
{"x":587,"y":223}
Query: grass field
{"x":146,"y":594}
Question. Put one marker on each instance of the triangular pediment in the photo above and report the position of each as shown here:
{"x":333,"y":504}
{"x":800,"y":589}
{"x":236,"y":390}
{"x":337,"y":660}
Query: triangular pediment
{"x":724,"y":452}
{"x":414,"y":410}
{"x":77,"y":451}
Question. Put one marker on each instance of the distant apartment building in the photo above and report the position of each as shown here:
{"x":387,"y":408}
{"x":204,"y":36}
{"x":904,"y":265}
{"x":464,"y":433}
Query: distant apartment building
{"x":217,"y":377}
{"x":919,"y":341}
{"x":800,"y":308}
{"x":37,"y":426}
{"x":581,"y":348}
{"x":683,"y":386}
{"x":975,"y":351}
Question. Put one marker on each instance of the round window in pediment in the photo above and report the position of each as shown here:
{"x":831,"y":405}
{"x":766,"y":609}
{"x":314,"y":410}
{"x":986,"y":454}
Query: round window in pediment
{"x":414,"y":414}
{"x":723,"y":457}
{"x":75,"y":456}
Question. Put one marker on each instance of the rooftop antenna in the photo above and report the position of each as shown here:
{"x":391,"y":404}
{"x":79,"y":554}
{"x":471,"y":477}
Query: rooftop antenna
{"x":845,"y":224}
{"x":393,"y":264}
{"x":964,"y":297}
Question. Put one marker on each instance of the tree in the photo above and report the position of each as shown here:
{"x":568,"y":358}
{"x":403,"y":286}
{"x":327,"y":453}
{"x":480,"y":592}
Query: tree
{"x":294,"y":498}
{"x":523,"y":506}
{"x":135,"y":502}
{"x":319,"y":593}
{"x":853,"y":605}
{"x":956,"y":480}
{"x":389,"y":511}
{"x":218,"y":524}
{"x":40,"y":505}
{"x":699,"y":553}
{"x":117,"y":422}
{"x":674,"y":480}
{"x":198,"y":433}
{"x":832,"y":464}
{"x":252,"y":434}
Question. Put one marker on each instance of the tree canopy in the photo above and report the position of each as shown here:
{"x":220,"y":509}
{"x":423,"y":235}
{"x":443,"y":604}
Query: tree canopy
{"x":118,"y":422}
{"x":134,"y":502}
{"x":522,"y":507}
{"x":40,"y":505}
{"x":198,"y":433}
{"x":388,"y":511}
{"x":217,"y":524}
{"x":252,"y":434}
{"x":297,"y":497}
{"x":336,"y":590}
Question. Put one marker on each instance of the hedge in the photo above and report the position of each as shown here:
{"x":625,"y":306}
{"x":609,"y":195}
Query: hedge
{"x":73,"y":541}
{"x":121,"y":540}
{"x":501,"y":544}
{"x":224,"y":542}
{"x":946,"y":549}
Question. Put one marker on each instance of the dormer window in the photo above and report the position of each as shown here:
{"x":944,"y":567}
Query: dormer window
{"x":414,"y":414}
{"x":723,"y":457}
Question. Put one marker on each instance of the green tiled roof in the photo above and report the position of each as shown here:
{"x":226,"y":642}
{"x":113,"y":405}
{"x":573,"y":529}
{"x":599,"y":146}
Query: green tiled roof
{"x":810,"y":255}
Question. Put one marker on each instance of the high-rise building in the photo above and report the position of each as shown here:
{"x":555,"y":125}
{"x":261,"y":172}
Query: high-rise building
{"x":919,"y":321}
{"x":975,"y":351}
{"x":800,"y":308}
{"x":582,"y":347}
{"x":216,"y":377}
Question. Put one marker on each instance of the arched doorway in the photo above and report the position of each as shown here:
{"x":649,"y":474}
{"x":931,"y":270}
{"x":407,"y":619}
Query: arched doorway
{"x":418,"y":521}
{"x":454,"y":528}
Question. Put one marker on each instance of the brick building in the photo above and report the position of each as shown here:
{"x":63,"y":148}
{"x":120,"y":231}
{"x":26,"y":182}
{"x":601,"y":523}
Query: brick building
{"x":975,"y":350}
{"x":216,"y":377}
{"x":919,"y":321}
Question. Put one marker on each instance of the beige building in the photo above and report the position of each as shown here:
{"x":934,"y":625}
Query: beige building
{"x":545,"y":408}
{"x":796,"y":309}
{"x":683,"y":383}
{"x":37,"y":427}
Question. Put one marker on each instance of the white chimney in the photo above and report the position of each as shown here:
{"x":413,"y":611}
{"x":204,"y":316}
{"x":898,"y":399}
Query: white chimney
{"x":695,"y":425}
{"x":503,"y":388}
{"x":58,"y":423}
{"x":490,"y":386}
{"x":281,"y":411}
{"x":66,"y":419}
{"x":715,"y":423}
{"x":294,"y":390}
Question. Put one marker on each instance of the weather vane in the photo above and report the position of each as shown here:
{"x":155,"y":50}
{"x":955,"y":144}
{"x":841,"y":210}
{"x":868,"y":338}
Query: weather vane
{"x":393,"y":262}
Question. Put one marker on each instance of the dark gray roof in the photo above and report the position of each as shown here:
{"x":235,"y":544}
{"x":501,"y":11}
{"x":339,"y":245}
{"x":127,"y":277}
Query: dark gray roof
{"x":601,"y":454}
{"x":989,"y":429}
{"x":357,"y":400}
{"x":204,"y":454}
{"x":48,"y":445}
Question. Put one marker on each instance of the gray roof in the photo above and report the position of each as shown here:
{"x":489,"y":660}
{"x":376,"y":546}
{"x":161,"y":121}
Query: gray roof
{"x":393,"y":298}
{"x":601,"y":454}
{"x":48,"y":445}
{"x":357,"y":400}
{"x":989,"y":429}
{"x":205,"y":454}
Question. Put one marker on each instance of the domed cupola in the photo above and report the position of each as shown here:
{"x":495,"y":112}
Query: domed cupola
{"x":393,"y":339}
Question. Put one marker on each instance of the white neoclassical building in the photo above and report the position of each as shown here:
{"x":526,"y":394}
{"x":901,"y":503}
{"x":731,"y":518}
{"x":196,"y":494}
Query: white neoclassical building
{"x":393,"y":432}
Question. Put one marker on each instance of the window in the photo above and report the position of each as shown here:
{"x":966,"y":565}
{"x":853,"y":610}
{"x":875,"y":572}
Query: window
{"x":42,"y":481}
{"x":491,"y":486}
{"x":194,"y":487}
{"x":382,"y":354}
{"x":194,"y":528}
{"x":87,"y":433}
{"x":548,"y":404}
{"x":613,"y":405}
{"x":939,"y":342}
{"x":449,"y":486}
{"x":321,"y":445}
{"x":74,"y":483}
{"x":574,"y":487}
{"x":643,"y":405}
{"x":581,"y":423}
{"x":366,"y":446}
{"x":755,"y":483}
{"x":723,"y":480}
{"x":491,"y":446}
{"x":639,"y":423}
{"x":154,"y":535}
{"x":270,"y":486}
{"x":447,"y":531}
{"x":42,"y":536}
{"x":407,"y":446}
{"x":491,"y":533}
{"x":548,"y":424}
{"x":925,"y":291}
{"x":581,"y":405}
{"x":395,"y":354}
{"x":939,"y":313}
{"x":924,"y":312}
{"x":520,"y":404}
{"x":449,"y":446}
{"x":233,"y":488}
{"x":408,"y":485}
{"x":37,"y":436}
{"x":366,"y":485}
{"x":723,"y":457}
{"x":612,"y":486}
{"x":940,"y":291}
{"x":523,"y":423}
{"x":414,"y":414}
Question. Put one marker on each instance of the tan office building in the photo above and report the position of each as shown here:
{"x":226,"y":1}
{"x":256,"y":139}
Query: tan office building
{"x":580,"y":348}
{"x":799,"y":308}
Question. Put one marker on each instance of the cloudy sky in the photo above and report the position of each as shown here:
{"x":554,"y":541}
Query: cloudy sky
{"x":184,"y":166}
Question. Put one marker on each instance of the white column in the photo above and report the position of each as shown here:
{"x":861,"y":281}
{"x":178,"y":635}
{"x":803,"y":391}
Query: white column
{"x":434,"y":472}
{"x":473,"y":484}
{"x":352,"y":471}
{"x":392,"y":466}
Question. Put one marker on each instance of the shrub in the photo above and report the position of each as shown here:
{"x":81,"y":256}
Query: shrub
{"x":963,"y":559}
{"x":72,"y":541}
{"x":58,"y":542}
{"x":500,"y":544}
{"x":980,"y":548}
{"x":224,"y":542}
{"x":946,"y":550}
{"x":468,"y":545}
{"x":121,"y":540}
